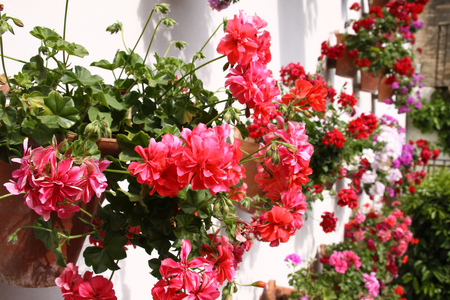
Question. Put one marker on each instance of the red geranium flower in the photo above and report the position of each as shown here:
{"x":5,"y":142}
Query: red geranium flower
{"x":328,"y":222}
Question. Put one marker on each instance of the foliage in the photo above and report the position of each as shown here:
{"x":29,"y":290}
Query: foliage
{"x":426,"y":275}
{"x":433,"y":117}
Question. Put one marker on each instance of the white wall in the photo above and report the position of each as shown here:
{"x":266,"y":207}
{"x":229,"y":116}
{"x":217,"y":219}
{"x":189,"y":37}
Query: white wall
{"x":297,"y":27}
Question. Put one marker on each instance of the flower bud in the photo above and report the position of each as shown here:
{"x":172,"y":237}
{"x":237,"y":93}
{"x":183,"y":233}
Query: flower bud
{"x":17,"y":22}
{"x":1,"y":7}
{"x":259,"y":283}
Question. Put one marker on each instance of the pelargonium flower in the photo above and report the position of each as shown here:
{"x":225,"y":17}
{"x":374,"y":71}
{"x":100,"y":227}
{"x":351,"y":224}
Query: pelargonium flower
{"x":73,"y":286}
{"x":276,"y":226}
{"x":363,"y":126}
{"x":372,"y":284}
{"x":53,"y":181}
{"x":292,"y":169}
{"x":252,"y":84}
{"x":294,"y":258}
{"x":328,"y":222}
{"x":347,"y":197}
{"x":158,"y":170}
{"x":306,"y":95}
{"x":334,"y":137}
{"x":219,"y":4}
{"x":244,"y":39}
{"x":207,"y":161}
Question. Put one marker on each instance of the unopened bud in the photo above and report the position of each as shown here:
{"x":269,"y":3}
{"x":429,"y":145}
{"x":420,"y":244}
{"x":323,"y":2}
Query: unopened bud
{"x":1,"y":7}
{"x":17,"y":22}
{"x":259,"y":283}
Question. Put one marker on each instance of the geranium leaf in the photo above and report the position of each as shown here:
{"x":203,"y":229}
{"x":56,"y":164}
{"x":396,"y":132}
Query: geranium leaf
{"x":59,"y":111}
{"x":71,"y":48}
{"x":45,"y":34}
{"x":81,"y":77}
{"x":102,"y":259}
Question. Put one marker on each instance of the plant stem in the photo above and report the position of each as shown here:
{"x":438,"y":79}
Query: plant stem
{"x":151,"y":41}
{"x":185,"y":75}
{"x":117,"y":171}
{"x":3,"y":61}
{"x":64,"y":28}
{"x":206,"y":43}
{"x":138,"y":40}
{"x":7,"y":195}
{"x":15,"y":59}
{"x":245,"y":159}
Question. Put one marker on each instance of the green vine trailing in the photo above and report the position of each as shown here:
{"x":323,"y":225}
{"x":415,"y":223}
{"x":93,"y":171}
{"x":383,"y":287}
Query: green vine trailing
{"x":434,"y":117}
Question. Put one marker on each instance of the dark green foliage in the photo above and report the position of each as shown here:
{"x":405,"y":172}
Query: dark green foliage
{"x":426,"y":275}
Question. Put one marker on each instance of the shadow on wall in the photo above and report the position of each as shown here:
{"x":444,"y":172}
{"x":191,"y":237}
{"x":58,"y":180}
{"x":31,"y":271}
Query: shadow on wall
{"x":192,"y":30}
{"x":297,"y":19}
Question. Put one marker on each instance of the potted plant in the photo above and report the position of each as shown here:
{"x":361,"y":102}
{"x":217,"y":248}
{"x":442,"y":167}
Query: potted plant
{"x":380,"y":38}
{"x":176,"y":175}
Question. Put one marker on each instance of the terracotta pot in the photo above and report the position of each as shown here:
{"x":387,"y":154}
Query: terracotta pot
{"x":28,"y":263}
{"x":331,"y":63}
{"x":274,"y":292}
{"x":106,"y":146}
{"x":249,"y":146}
{"x":369,"y":83}
{"x":328,"y":185}
{"x":380,"y":3}
{"x":345,"y":65}
{"x":385,"y":91}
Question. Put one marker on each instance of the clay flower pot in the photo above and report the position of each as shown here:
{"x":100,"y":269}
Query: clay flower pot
{"x":274,"y":292}
{"x":28,"y":263}
{"x":380,"y":3}
{"x":385,"y":91}
{"x":345,"y":65}
{"x":369,"y":82}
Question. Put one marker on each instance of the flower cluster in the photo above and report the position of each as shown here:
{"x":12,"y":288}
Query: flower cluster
{"x":341,"y":261}
{"x":334,"y":137}
{"x":364,"y":264}
{"x":75,"y":286}
{"x":406,"y":92}
{"x":332,"y":52}
{"x":347,"y":197}
{"x":205,"y":161}
{"x":362,"y":126}
{"x":247,"y":47}
{"x":328,"y":222}
{"x":54,"y":181}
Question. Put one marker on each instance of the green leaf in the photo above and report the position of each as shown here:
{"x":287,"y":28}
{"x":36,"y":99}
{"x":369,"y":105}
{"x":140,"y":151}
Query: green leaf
{"x":71,"y":48}
{"x":81,"y":77}
{"x":102,"y":259}
{"x":59,"y":111}
{"x":45,"y":34}
{"x":128,"y":143}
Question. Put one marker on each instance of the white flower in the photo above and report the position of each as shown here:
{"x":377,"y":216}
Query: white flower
{"x":377,"y":189}
{"x":369,"y":154}
{"x":369,"y":177}
{"x":394,"y":175}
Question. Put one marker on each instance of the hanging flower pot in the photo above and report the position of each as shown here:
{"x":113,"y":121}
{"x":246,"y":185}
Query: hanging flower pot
{"x":27,"y":262}
{"x":385,"y":91}
{"x":331,"y":63}
{"x":369,"y":82}
{"x":345,"y":65}
{"x":380,"y":3}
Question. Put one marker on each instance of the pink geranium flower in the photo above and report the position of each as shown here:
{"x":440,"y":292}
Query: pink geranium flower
{"x":158,"y":169}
